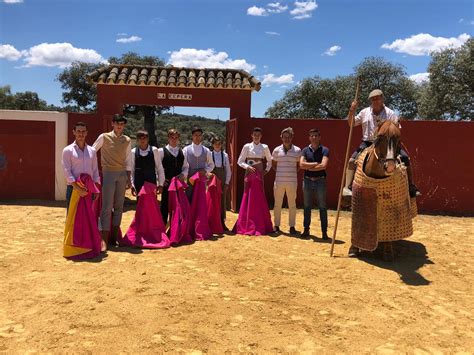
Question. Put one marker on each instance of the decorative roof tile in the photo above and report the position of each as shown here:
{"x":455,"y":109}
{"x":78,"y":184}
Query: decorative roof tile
{"x":115,"y":74}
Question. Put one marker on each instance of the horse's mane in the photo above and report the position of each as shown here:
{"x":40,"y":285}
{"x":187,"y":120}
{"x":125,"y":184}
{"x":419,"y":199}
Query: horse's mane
{"x":389,"y":129}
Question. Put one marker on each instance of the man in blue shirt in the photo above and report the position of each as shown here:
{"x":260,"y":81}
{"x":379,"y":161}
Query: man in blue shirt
{"x":314,"y":160}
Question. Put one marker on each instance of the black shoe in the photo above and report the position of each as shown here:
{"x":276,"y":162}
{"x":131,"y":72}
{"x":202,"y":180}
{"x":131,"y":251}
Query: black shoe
{"x":325,"y":236}
{"x":305,"y":234}
{"x":413,"y":190}
{"x":224,"y":227}
{"x":353,"y":252}
{"x":293,"y":231}
{"x":276,"y":230}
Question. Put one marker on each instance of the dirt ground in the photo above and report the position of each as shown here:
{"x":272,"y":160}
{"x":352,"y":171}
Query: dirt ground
{"x":235,"y":294}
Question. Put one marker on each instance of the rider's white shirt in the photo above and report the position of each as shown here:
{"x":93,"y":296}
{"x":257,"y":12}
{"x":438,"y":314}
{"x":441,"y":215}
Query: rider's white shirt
{"x":368,"y":119}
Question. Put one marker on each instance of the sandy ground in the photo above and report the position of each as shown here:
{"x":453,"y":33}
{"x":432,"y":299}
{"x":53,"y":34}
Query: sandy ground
{"x":235,"y":294}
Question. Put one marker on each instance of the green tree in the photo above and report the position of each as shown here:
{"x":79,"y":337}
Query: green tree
{"x":27,"y":100}
{"x":77,"y":91}
{"x":330,"y":98}
{"x":449,"y":92}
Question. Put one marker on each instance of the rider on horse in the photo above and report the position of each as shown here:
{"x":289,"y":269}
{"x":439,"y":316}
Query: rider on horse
{"x":370,"y":118}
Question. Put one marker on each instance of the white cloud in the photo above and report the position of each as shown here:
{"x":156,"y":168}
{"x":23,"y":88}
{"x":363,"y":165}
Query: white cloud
{"x":276,"y":8}
{"x":256,"y":11}
{"x":59,"y":55}
{"x":271,"y":79}
{"x":424,"y":44}
{"x":9,"y":52}
{"x":332,"y":50}
{"x":272,"y":33}
{"x":207,"y":58}
{"x":12,"y":1}
{"x":420,"y":77}
{"x":129,"y":39}
{"x":303,"y":9}
{"x":122,"y":34}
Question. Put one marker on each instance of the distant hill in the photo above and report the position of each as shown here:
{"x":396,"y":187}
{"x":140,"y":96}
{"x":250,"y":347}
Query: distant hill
{"x":184,"y":125}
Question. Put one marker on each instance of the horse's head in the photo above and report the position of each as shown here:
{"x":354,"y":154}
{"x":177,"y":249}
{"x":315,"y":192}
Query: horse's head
{"x":386,"y":145}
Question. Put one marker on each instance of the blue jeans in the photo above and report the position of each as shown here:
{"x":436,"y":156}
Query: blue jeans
{"x":310,"y":187}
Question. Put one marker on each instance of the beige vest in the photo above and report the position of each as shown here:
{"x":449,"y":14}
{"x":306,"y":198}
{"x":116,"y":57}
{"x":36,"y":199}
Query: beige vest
{"x":114,"y":152}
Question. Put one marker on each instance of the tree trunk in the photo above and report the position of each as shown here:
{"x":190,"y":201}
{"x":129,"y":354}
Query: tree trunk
{"x":149,"y":115}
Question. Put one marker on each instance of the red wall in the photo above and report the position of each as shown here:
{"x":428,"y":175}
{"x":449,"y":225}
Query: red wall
{"x":28,"y":148}
{"x":439,"y":152}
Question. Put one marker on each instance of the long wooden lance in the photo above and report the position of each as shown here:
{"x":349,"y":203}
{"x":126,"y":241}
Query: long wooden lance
{"x":346,"y":161}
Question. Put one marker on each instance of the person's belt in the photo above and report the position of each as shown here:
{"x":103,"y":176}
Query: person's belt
{"x":314,"y":178}
{"x":253,"y":161}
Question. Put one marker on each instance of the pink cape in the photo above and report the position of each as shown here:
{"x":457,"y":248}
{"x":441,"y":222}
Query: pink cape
{"x":254,"y":215}
{"x":147,"y":229}
{"x":81,"y":234}
{"x":200,"y":229}
{"x":213,"y":198}
{"x":180,"y":213}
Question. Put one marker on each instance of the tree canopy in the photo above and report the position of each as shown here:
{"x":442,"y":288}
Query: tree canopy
{"x":448,"y":94}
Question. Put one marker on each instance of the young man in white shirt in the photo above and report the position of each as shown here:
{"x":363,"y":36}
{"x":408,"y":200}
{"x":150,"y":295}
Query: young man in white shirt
{"x":255,"y":154}
{"x":145,"y":165}
{"x":285,"y":161}
{"x":223,"y":172}
{"x":198,"y":157}
{"x":79,"y":158}
{"x":173,"y":162}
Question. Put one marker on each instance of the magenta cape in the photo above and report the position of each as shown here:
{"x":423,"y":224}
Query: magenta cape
{"x":180,"y":213}
{"x":200,"y":229}
{"x":147,"y":229}
{"x":254,"y":215}
{"x":81,"y":233}
{"x":213,"y":198}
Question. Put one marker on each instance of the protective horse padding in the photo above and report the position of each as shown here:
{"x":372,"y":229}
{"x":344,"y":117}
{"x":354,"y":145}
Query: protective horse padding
{"x":394,"y":208}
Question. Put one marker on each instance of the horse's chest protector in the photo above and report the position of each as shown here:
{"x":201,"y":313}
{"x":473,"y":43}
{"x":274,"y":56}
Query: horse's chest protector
{"x":381,"y":208}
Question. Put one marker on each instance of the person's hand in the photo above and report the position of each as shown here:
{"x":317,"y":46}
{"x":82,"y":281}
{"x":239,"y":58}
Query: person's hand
{"x":128,"y":185}
{"x":202,"y":172}
{"x":226,"y":187}
{"x":159,"y":190}
{"x":166,"y":183}
{"x":354,"y":105}
{"x":251,"y":169}
{"x":134,"y":192}
{"x":181,"y":177}
{"x":80,"y":188}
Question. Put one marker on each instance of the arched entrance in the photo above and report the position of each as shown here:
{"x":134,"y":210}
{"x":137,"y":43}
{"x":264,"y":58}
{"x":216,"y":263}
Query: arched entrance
{"x":118,"y":85}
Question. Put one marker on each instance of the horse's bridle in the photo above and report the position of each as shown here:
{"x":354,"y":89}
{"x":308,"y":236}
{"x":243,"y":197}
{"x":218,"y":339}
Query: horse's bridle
{"x":384,"y":161}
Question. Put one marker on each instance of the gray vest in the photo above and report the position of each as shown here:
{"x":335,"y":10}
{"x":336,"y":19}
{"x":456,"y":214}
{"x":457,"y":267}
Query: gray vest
{"x":196,"y":163}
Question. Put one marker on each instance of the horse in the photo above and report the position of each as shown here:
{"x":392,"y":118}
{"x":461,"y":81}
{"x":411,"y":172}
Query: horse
{"x":378,"y":165}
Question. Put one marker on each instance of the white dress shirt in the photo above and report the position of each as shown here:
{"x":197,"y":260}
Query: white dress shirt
{"x":218,"y":164}
{"x":160,"y":173}
{"x":174,"y":152}
{"x":252,"y":150}
{"x":77,"y":161}
{"x":196,"y":150}
{"x":369,"y":120}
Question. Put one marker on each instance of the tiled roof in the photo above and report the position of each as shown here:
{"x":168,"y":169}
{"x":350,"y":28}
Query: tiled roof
{"x":174,"y":77}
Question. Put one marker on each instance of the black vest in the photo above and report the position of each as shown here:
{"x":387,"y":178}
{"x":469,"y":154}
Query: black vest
{"x":144,"y":168}
{"x":171,"y":164}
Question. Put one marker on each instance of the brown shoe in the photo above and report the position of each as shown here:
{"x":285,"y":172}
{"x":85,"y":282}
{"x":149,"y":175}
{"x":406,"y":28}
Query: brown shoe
{"x":105,"y":238}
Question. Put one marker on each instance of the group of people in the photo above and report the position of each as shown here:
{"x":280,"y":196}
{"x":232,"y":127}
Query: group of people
{"x":193,"y":184}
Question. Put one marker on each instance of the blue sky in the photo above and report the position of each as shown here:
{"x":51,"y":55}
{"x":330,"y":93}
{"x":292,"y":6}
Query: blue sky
{"x":280,"y":42}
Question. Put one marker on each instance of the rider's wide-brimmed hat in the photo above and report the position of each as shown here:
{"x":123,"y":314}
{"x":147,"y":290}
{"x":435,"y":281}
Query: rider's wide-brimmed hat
{"x":376,"y":92}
